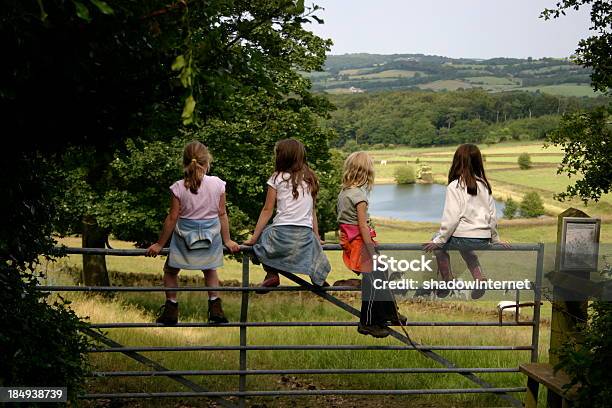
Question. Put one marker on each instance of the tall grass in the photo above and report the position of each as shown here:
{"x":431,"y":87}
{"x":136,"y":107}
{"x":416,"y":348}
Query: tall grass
{"x":132,"y":307}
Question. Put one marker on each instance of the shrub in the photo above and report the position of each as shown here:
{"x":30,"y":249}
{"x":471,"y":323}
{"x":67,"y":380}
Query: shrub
{"x":351,"y":146}
{"x":532,"y":205}
{"x":524,"y":161}
{"x":587,"y":359}
{"x":510,"y":209}
{"x":405,"y":175}
{"x":417,"y":161}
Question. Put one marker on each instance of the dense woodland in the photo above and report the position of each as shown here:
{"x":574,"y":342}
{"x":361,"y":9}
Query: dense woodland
{"x":425,"y":118}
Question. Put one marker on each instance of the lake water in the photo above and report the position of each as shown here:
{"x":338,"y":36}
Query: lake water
{"x":412,"y":202}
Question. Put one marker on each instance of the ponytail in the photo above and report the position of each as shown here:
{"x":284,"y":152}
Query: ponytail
{"x":196,"y":162}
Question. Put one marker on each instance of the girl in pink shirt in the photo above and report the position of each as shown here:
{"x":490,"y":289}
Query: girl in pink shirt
{"x":199,"y":226}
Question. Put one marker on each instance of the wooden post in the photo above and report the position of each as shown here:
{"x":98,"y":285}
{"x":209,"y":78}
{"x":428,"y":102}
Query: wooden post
{"x":566,"y":314}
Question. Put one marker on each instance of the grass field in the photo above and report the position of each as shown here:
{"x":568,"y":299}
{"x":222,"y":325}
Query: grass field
{"x":137,"y":308}
{"x":391,"y":73}
{"x":563,"y":90}
{"x":490,"y":80}
{"x":446,"y":84}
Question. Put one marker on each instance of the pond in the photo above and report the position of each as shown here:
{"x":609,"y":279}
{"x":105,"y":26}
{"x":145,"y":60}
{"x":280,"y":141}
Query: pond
{"x":412,"y":202}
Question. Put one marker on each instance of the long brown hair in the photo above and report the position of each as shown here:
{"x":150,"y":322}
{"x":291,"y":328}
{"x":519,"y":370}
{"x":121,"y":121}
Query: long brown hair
{"x":291,"y":158}
{"x":196,"y":162}
{"x":468,"y":168}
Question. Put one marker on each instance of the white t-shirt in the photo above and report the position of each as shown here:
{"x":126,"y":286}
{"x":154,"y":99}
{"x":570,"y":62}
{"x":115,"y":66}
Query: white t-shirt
{"x":290,"y":211}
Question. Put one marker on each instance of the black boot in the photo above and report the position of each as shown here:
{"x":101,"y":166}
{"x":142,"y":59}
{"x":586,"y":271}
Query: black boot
{"x":373,"y":330}
{"x":169,"y":315}
{"x":215,"y":312}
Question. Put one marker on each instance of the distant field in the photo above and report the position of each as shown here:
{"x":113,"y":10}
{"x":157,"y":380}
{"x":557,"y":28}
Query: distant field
{"x":356,"y":71}
{"x":392,"y":73}
{"x":563,"y":90}
{"x":449,"y":85}
{"x":491,"y":80}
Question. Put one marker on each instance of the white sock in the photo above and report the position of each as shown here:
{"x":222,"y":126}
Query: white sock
{"x":173,"y":300}
{"x":213,"y":298}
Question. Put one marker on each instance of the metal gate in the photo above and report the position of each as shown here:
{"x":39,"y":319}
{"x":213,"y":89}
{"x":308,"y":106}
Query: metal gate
{"x":197,"y":390}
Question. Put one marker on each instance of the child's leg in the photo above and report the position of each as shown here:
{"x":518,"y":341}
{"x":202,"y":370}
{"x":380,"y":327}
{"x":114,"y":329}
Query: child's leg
{"x":471,"y":260}
{"x":211,"y":278}
{"x":444,"y":266}
{"x":170,"y":280}
{"x":371,"y":319}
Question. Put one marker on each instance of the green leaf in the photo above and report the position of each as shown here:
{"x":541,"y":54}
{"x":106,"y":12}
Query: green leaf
{"x":178,"y":63}
{"x":318,"y":20}
{"x":43,"y":13}
{"x":103,"y":6}
{"x":82,"y":11}
{"x":186,"y":77}
{"x":188,"y":109}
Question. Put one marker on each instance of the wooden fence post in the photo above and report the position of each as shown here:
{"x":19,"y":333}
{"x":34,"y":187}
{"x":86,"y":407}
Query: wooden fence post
{"x":567,"y":312}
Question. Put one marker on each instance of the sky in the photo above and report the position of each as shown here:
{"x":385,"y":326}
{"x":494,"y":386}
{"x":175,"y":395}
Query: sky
{"x":452,"y":28}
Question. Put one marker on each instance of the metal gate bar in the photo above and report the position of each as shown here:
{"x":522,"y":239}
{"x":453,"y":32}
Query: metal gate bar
{"x":292,"y":393}
{"x":303,"y":371}
{"x":298,"y":324}
{"x":304,"y":347}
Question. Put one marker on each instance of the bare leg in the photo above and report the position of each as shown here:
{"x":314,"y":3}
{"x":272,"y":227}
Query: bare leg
{"x":170,"y":281}
{"x":211,"y":279}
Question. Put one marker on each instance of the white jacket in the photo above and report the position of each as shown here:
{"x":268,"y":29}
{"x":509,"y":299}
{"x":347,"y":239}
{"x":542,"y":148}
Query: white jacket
{"x":468,"y":216}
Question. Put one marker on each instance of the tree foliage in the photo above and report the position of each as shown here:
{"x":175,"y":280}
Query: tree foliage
{"x":586,"y":136}
{"x":510,"y":209}
{"x":594,"y":52}
{"x":423,"y":118}
{"x":524,"y":161}
{"x":231,"y":75}
{"x":405,"y":174}
{"x":41,"y":338}
{"x":96,"y":96}
{"x":589,"y":360}
{"x":532,"y":205}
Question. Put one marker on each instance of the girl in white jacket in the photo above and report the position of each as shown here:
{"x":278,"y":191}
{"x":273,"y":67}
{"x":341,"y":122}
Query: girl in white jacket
{"x":469,"y":221}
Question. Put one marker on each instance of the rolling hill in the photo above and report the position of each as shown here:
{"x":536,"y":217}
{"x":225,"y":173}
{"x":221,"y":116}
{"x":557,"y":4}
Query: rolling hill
{"x":357,"y":73}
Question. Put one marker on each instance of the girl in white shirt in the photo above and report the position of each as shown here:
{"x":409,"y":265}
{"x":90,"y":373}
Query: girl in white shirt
{"x":469,"y":221}
{"x":291,"y":243}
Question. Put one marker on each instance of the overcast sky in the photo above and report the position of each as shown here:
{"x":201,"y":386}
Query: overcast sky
{"x":453,"y":28}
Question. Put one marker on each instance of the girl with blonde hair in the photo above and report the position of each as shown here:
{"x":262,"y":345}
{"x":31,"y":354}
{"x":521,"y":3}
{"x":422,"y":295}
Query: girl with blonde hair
{"x":378,"y":308}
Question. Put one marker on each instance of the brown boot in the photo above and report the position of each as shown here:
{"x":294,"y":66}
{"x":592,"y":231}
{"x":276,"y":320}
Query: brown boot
{"x":215,"y":312}
{"x":169,"y":315}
